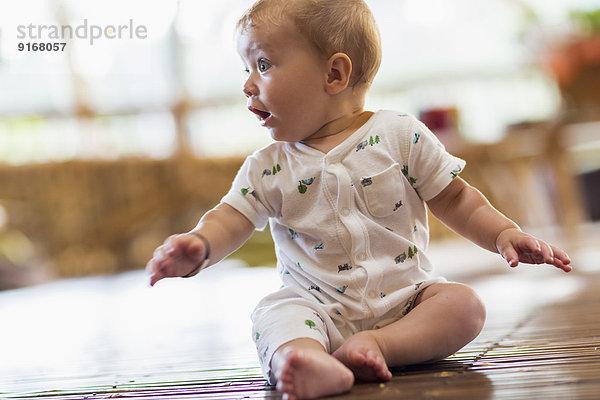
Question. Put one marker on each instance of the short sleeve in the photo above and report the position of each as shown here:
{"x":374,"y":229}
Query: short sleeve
{"x":430,"y":167}
{"x":246,"y":195}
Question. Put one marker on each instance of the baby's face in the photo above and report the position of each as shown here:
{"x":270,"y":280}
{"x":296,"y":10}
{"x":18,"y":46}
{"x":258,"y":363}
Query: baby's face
{"x":286,"y":81}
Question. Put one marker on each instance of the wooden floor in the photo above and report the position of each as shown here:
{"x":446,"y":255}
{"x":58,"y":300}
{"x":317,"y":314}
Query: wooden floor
{"x":544,"y":350}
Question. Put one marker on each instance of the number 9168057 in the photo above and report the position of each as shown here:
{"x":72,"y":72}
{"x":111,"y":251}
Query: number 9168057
{"x":29,"y":46}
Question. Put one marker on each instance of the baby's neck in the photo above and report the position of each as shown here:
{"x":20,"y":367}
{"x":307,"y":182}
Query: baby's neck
{"x":336,"y":131}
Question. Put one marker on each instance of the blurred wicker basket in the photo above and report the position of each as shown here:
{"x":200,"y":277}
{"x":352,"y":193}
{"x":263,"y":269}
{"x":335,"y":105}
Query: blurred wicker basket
{"x":102,"y":217}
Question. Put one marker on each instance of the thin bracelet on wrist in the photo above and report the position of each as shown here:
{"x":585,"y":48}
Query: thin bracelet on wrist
{"x":205,"y":261}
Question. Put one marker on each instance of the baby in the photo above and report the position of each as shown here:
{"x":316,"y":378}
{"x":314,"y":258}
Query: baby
{"x":344,"y":191}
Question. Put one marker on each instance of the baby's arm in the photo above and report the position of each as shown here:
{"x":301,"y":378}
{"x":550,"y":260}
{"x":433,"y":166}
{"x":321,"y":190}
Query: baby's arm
{"x":466,"y":211}
{"x":224,"y":228}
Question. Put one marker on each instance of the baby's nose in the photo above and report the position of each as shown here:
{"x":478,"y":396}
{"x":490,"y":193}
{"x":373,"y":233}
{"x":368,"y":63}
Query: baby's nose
{"x":249,"y":88}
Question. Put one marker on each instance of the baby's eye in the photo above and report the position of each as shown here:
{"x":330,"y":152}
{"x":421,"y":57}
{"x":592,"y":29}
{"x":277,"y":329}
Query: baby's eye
{"x":263,"y":65}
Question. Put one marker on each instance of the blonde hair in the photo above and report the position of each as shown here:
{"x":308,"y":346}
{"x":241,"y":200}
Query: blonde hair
{"x":332,"y":26}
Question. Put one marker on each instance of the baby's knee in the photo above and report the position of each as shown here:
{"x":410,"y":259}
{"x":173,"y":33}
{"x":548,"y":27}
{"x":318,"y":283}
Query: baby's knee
{"x":470,"y":309}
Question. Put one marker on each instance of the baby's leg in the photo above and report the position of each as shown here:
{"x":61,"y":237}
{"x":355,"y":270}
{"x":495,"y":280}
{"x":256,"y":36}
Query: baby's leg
{"x":447,"y":317}
{"x":304,"y":370}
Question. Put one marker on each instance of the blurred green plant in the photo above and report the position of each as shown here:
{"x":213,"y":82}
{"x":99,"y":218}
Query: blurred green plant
{"x":587,"y":21}
{"x":258,"y":251}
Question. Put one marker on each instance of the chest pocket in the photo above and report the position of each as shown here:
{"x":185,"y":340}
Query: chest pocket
{"x":383,"y":191}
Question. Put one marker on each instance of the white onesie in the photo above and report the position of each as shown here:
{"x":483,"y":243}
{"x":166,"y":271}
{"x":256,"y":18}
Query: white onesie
{"x":350,"y":228}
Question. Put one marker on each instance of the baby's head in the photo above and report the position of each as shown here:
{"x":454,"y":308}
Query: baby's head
{"x":331,"y":26}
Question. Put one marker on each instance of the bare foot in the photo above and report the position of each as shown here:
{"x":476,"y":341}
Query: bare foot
{"x":362,"y":355}
{"x":307,"y":374}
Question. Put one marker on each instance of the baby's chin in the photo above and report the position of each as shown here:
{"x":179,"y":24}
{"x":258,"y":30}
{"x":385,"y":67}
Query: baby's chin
{"x":288,"y":137}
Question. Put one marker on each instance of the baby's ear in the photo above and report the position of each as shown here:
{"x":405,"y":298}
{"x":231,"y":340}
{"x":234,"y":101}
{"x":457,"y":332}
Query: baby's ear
{"x":339,"y":70}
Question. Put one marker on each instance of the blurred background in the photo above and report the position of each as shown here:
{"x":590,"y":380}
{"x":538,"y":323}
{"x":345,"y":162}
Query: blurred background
{"x":108,"y":147}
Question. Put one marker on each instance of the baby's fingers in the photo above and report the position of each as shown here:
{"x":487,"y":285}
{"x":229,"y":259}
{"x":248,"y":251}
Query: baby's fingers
{"x":162,"y":265}
{"x":510,"y":255}
{"x":561,"y":259}
{"x":156,"y":273}
{"x":547,"y":254}
{"x":162,"y":259}
{"x":155,"y":276}
{"x":553,"y":256}
{"x":531,"y":251}
{"x":560,"y":265}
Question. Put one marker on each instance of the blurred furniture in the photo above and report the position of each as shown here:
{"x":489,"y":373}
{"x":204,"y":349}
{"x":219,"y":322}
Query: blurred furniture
{"x":529,"y":176}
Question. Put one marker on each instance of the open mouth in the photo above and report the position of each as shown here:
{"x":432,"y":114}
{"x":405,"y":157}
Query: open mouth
{"x":262,"y":115}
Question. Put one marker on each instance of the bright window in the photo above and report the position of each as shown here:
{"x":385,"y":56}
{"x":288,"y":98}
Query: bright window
{"x":178,"y":84}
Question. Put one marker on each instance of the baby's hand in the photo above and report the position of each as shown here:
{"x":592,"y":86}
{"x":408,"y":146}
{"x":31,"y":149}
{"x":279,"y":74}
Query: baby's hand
{"x":177,"y":256}
{"x":515,"y":246}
